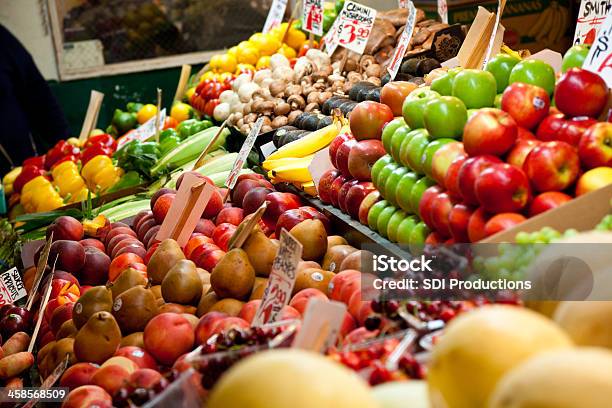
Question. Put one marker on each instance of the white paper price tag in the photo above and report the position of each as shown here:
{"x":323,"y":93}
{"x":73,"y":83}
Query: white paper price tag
{"x":404,"y":41}
{"x":275,"y":15}
{"x":243,"y":153}
{"x":321,"y":325}
{"x":312,"y":16}
{"x":331,"y":39}
{"x":599,"y":59}
{"x":355,"y":26}
{"x":591,"y":16}
{"x":145,"y":131}
{"x":268,"y":148}
{"x":11,"y":287}
{"x":281,"y":280}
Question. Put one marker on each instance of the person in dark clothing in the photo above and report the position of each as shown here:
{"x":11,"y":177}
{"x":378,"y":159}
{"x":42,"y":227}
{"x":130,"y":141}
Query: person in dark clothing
{"x":28,"y":109}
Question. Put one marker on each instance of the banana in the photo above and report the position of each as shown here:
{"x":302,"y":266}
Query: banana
{"x":292,"y":172}
{"x":311,"y":143}
{"x":309,"y":188}
{"x":507,"y":50}
{"x":564,"y":21}
{"x":533,"y":31}
{"x":556,"y":29}
{"x":546,"y":24}
{"x":271,"y":164}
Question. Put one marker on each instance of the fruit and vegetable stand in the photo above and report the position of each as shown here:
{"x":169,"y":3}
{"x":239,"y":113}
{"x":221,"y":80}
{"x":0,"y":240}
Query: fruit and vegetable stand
{"x":225,"y":251}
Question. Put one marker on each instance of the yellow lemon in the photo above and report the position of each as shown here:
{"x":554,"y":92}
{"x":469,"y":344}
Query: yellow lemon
{"x":287,"y":51}
{"x":295,"y":39}
{"x":267,"y":44}
{"x":189,"y":93}
{"x":227,"y":63}
{"x":233,"y":51}
{"x":245,"y":68}
{"x":181,"y":111}
{"x":207,"y":75}
{"x":263,"y":62}
{"x":248,"y":55}
{"x":146,"y":112}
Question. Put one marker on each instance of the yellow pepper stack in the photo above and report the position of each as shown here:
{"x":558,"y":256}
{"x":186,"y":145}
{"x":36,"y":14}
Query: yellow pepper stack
{"x":69,"y":182}
{"x":39,"y":195}
{"x":100,"y":173}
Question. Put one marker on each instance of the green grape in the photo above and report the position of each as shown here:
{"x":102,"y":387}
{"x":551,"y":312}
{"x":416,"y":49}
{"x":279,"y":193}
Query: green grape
{"x":522,"y":237}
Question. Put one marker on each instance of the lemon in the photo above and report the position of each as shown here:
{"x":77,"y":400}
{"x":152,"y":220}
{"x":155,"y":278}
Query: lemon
{"x":245,"y":68}
{"x":189,"y":93}
{"x":248,"y":55}
{"x":287,"y":51}
{"x":146,"y":112}
{"x":267,"y":44}
{"x":263,"y":62}
{"x":295,"y":39}
{"x":233,"y":51}
{"x":181,"y":111}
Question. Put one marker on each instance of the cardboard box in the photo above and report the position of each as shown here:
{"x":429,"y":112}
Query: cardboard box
{"x":530,"y":24}
{"x":582,"y":213}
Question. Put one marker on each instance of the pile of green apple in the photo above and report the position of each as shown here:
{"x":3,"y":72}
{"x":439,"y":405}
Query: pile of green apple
{"x":479,"y":151}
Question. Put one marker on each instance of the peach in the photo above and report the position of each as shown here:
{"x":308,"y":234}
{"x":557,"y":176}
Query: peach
{"x":167,"y":336}
{"x":65,"y":228}
{"x":222,"y":235}
{"x":129,"y":365}
{"x":87,"y":396}
{"x":348,"y":324}
{"x":95,"y":270}
{"x":116,"y":240}
{"x":179,"y":181}
{"x":300,"y":300}
{"x":229,"y":323}
{"x":70,"y":255}
{"x":146,"y":217}
{"x":244,"y":186}
{"x":338,"y":281}
{"x":61,"y":314}
{"x":150,"y":252}
{"x":79,"y":374}
{"x":207,"y":259}
{"x":138,"y":356}
{"x":249,"y":309}
{"x":207,"y":325}
{"x":231,"y":215}
{"x":214,"y":206}
{"x":195,"y":242}
{"x":193,"y":319}
{"x":254,"y":198}
{"x":161,"y":207}
{"x":144,"y":378}
{"x":160,"y":193}
{"x":144,"y":227}
{"x":359,"y":335}
{"x":117,"y":246}
{"x":151,"y":236}
{"x":118,"y":231}
{"x":110,"y":378}
{"x":92,"y":242}
{"x":289,"y":313}
{"x":351,"y":287}
{"x":142,"y":214}
{"x":364,"y":311}
{"x":121,"y":263}
{"x":133,"y":248}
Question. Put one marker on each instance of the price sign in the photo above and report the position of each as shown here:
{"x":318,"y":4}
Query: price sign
{"x":11,"y":287}
{"x":402,"y":3}
{"x":281,"y":280}
{"x":275,"y":15}
{"x":355,"y":26}
{"x":331,"y":40}
{"x":443,"y":11}
{"x":599,"y":59}
{"x":591,"y":16}
{"x":145,"y":131}
{"x":321,"y":325}
{"x":243,"y":153}
{"x":312,"y":16}
{"x":404,"y":41}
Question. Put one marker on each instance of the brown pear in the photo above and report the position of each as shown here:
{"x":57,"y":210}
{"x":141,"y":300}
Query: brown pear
{"x":67,"y":329}
{"x":261,"y":251}
{"x":134,"y":339}
{"x":57,"y":354}
{"x":312,"y":278}
{"x":96,"y":299}
{"x":182,"y":284}
{"x":313,"y":237}
{"x":167,"y":254}
{"x":230,"y":306}
{"x":134,"y":308}
{"x":98,"y":340}
{"x":335,"y":255}
{"x":206,"y":302}
{"x":204,"y":275}
{"x":233,"y":276}
{"x":156,"y":291}
{"x":126,"y":280}
{"x":334,"y":240}
{"x":258,"y":288}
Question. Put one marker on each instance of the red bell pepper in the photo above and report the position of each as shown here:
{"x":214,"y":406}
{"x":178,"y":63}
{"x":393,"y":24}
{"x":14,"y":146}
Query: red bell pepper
{"x":28,"y":172}
{"x":104,"y":139}
{"x":93,"y":151}
{"x":70,"y":157}
{"x":38,"y":161}
{"x":61,"y":149}
{"x":210,"y":106}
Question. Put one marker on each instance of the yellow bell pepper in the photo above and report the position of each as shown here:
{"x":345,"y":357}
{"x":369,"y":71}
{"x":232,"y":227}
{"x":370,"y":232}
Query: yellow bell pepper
{"x":39,"y":195}
{"x":79,"y":195}
{"x":69,"y":183}
{"x":50,"y":203}
{"x":9,"y":178}
{"x":107,"y":177}
{"x":35,"y":184}
{"x":94,"y":166}
{"x":62,"y":167}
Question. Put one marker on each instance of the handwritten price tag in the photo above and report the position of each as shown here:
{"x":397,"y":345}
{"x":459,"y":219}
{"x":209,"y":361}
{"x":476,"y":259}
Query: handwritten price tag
{"x":591,"y":16}
{"x":402,"y":3}
{"x":404,"y":41}
{"x":312,"y":16}
{"x":145,"y":131}
{"x":11,"y":287}
{"x":331,"y":39}
{"x":355,"y":26}
{"x":275,"y":15}
{"x":321,"y":325}
{"x":243,"y":153}
{"x":599,"y":59}
{"x":281,"y":280}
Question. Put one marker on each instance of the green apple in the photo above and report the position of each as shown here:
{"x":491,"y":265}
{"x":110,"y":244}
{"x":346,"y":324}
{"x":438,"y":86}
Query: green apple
{"x":394,"y":223}
{"x":383,"y":176}
{"x":476,"y":88}
{"x":444,"y":83}
{"x":378,"y":166}
{"x":414,"y":104}
{"x":575,"y":56}
{"x":383,"y":220}
{"x":497,"y":101}
{"x":388,"y":131}
{"x":417,"y":191}
{"x":391,"y":184}
{"x":430,"y":150}
{"x":396,"y":141}
{"x":403,"y":155}
{"x":534,"y":72}
{"x":416,"y":147}
{"x":402,"y":194}
{"x":500,"y":66}
{"x":374,"y":213}
{"x":405,"y":229}
{"x":445,"y":117}
{"x":417,"y":238}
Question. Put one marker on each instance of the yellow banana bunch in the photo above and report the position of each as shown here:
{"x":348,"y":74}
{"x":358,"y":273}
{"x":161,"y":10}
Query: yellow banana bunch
{"x":507,"y":50}
{"x":272,"y":164}
{"x":296,"y":171}
{"x":312,"y":142}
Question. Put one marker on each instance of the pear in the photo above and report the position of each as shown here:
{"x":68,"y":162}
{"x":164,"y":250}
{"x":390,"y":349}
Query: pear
{"x":233,"y":276}
{"x":258,"y":288}
{"x":313,"y":237}
{"x":134,"y":308}
{"x":96,"y":299}
{"x":59,"y":351}
{"x":231,"y":307}
{"x":167,"y":254}
{"x":134,"y":339}
{"x":206,"y":302}
{"x":126,"y":280}
{"x":98,"y":339}
{"x":68,"y":329}
{"x":335,"y":255}
{"x":334,"y":240}
{"x":261,"y":251}
{"x":182,"y":284}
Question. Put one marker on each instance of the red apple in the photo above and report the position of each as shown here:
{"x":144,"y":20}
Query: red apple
{"x":550,"y":127}
{"x":547,"y":201}
{"x":355,"y":196}
{"x":254,"y":199}
{"x":476,"y":225}
{"x":519,"y":152}
{"x":595,"y":148}
{"x":366,"y":204}
{"x":342,"y":157}
{"x":335,"y":189}
{"x":362,"y":157}
{"x":442,"y":159}
{"x":489,"y":131}
{"x":231,"y":215}
{"x":342,"y":193}
{"x":469,"y":172}
{"x":243,"y":187}
{"x":451,"y":179}
{"x":502,"y":188}
{"x":581,"y":93}
{"x":573,"y":129}
{"x":524,"y":134}
{"x":394,"y":93}
{"x":278,"y":203}
{"x":290,"y":219}
{"x":440,"y":210}
{"x":325,"y":185}
{"x":501,"y":222}
{"x":335,"y":145}
{"x":594,"y":179}
{"x":368,"y":119}
{"x":161,"y":207}
{"x":552,"y":166}
{"x":458,"y":219}
{"x":527,"y":104}
{"x":426,"y":202}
